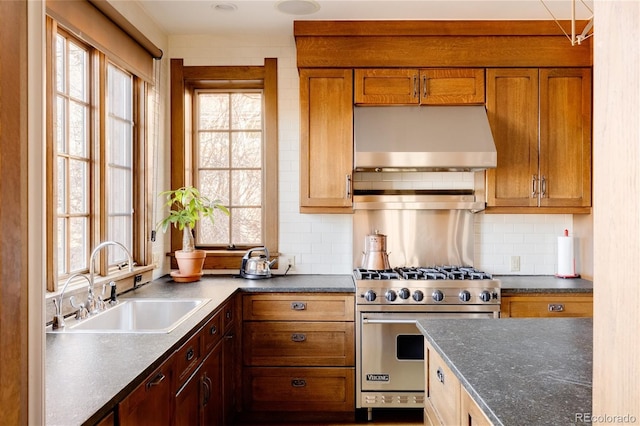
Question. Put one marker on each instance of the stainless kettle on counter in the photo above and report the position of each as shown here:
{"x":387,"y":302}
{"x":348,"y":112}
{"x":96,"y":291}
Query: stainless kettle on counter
{"x":255,"y":267}
{"x":375,"y":254}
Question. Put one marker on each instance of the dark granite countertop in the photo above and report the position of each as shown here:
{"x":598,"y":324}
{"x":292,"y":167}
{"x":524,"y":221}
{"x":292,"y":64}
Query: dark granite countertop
{"x":87,"y":374}
{"x":513,"y":284}
{"x":519,"y":371}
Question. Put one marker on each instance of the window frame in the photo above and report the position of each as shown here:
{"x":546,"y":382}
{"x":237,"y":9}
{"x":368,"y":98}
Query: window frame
{"x":184,"y":81}
{"x":141,"y":247}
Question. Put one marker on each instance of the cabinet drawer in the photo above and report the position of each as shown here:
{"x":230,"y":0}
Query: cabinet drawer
{"x":443,"y":389}
{"x":299,"y":389}
{"x":212,"y":332}
{"x":298,"y":343}
{"x":187,"y":359}
{"x":547,"y":306}
{"x":302,"y":307}
{"x":228,"y":313}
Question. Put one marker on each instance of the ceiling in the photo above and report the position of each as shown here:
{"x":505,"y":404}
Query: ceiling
{"x":261,"y":17}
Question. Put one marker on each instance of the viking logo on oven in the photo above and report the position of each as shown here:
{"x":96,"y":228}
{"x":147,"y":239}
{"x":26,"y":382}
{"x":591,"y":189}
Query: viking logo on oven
{"x":377,"y":377}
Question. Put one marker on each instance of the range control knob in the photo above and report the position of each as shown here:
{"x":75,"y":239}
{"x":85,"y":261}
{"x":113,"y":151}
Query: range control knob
{"x":437,"y":295}
{"x":390,"y":295}
{"x":485,"y":296}
{"x":370,"y":296}
{"x":464,"y":295}
{"x":418,"y":296}
{"x":404,"y":293}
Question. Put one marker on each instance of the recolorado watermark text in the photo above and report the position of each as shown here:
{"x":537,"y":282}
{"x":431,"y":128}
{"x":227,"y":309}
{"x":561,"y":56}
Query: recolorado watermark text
{"x":604,"y":418}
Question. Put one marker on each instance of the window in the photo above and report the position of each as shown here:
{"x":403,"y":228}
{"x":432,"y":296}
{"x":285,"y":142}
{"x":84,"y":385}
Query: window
{"x":228,"y":142}
{"x":94,"y":146}
{"x":73,"y":154}
{"x":224,"y":141}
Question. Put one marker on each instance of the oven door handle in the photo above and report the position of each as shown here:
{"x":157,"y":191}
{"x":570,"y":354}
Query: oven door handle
{"x":388,"y":321}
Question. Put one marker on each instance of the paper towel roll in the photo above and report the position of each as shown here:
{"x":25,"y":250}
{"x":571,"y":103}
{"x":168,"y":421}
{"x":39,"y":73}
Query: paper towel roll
{"x":566,"y":258}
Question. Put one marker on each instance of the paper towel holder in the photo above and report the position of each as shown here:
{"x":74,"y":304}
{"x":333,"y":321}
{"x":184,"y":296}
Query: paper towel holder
{"x":566,"y":257}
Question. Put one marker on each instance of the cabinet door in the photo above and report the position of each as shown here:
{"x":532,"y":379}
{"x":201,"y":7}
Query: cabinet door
{"x":187,"y":403}
{"x":149,"y":403}
{"x":230,"y":376}
{"x":565,"y":137}
{"x":326,"y":140}
{"x":386,"y":86}
{"x":443,"y":389}
{"x":211,"y":387}
{"x":458,"y":86}
{"x":512,"y":108}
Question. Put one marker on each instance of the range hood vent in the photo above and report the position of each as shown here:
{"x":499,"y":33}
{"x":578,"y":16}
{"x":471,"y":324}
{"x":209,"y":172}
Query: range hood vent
{"x":423,"y":138}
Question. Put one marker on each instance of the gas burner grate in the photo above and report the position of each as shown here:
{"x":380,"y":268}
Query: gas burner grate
{"x":375,"y":274}
{"x":446,"y":272}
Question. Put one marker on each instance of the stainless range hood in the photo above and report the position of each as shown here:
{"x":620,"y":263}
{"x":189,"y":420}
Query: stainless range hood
{"x":423,"y":138}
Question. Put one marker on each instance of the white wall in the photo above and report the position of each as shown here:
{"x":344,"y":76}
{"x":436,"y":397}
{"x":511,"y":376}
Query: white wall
{"x":322,"y":244}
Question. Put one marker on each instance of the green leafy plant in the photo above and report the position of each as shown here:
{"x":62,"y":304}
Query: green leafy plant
{"x":186,"y":207}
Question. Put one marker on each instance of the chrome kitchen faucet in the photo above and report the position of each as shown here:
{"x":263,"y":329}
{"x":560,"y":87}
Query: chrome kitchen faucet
{"x":91,"y":302}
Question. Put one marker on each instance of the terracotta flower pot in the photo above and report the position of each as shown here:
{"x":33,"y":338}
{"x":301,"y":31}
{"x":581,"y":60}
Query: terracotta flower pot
{"x":189,"y":264}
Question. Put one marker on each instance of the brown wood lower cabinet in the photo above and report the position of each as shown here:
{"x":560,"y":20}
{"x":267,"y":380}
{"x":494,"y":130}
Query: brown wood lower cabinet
{"x":207,"y":395}
{"x":298,"y":357}
{"x":530,"y":305}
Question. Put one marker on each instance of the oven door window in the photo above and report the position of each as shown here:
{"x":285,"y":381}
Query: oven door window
{"x":409,"y":347}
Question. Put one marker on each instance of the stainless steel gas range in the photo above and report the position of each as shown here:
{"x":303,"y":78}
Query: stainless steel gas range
{"x":390,"y":349}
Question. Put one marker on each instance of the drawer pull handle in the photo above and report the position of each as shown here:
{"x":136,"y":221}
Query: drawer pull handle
{"x":298,"y":383}
{"x":155,"y":381}
{"x":228,"y":314}
{"x":556,"y":307}
{"x":298,"y":306}
{"x":440,"y":375}
{"x":190,"y":354}
{"x":298,"y":337}
{"x":213,"y":330}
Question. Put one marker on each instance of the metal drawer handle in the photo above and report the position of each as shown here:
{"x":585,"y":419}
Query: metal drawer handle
{"x":298,"y":337}
{"x":213,"y":330}
{"x":298,"y":306}
{"x":298,"y":383}
{"x":440,"y":375}
{"x":556,"y":307}
{"x":190,"y":354}
{"x":155,"y":381}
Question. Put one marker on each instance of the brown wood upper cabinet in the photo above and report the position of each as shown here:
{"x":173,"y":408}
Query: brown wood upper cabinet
{"x":400,"y":86}
{"x":541,"y":124}
{"x":326,"y":140}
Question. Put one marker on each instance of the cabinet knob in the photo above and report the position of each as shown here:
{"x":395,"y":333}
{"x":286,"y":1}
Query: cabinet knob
{"x":440,"y":375}
{"x":298,"y":383}
{"x":556,"y":307}
{"x":190,"y":354}
{"x":298,"y":337}
{"x":298,"y":306}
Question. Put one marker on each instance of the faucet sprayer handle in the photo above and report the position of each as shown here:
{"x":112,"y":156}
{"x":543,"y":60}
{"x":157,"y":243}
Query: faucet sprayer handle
{"x":58,"y":318}
{"x":81,"y":310}
{"x":113,"y":300}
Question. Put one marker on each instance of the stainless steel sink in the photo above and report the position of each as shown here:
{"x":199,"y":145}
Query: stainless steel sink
{"x":137,"y":316}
